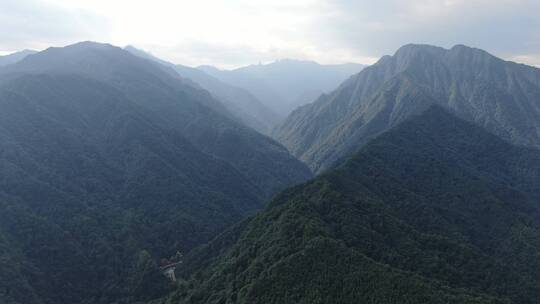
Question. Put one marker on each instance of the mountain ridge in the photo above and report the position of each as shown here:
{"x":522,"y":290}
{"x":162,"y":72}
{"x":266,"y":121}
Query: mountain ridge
{"x":501,"y":96}
{"x":286,"y":84}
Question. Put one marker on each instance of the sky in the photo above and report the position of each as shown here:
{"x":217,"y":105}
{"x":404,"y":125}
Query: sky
{"x":233,"y":33}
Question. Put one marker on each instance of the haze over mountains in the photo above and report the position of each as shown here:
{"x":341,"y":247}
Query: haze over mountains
{"x":237,"y":100}
{"x":286,"y":84}
{"x":260,"y":96}
{"x":113,"y":160}
{"x":501,"y":96}
{"x":201,"y":119}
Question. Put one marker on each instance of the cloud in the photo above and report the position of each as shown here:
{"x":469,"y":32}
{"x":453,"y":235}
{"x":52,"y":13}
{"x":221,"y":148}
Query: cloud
{"x":231,"y":33}
{"x":33,"y":24}
{"x":503,"y":27}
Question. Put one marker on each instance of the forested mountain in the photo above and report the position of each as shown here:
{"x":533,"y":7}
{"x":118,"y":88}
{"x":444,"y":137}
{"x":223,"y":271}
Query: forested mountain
{"x":286,"y":84}
{"x":238,"y":101}
{"x":110,"y":163}
{"x":15,"y":57}
{"x":176,"y":105}
{"x":437,"y":210}
{"x":501,"y":96}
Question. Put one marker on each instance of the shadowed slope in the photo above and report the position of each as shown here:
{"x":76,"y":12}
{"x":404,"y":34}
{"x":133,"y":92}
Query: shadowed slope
{"x":436,"y":210}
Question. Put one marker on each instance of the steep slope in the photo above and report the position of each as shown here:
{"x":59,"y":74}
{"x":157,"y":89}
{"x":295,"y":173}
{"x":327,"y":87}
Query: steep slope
{"x":84,"y":171}
{"x":436,"y":210}
{"x":501,"y":96}
{"x":286,"y":84}
{"x":238,"y":101}
{"x":15,"y":57}
{"x":105,"y":171}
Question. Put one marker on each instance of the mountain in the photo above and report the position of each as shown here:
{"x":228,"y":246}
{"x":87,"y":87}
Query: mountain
{"x":111,"y":163}
{"x":238,"y":101}
{"x":15,"y":57}
{"x":436,"y":210}
{"x":286,"y":84}
{"x":178,"y":105}
{"x":89,"y":182}
{"x":501,"y":96}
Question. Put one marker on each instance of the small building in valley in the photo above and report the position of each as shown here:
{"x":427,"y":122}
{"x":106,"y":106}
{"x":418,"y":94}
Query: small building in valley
{"x":168,"y":270}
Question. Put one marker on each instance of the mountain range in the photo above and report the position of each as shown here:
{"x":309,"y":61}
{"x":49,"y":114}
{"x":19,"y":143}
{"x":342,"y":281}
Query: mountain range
{"x":238,"y":101}
{"x":286,"y":84}
{"x":114,"y":162}
{"x":436,"y":210}
{"x":111,"y":162}
{"x":501,"y":96}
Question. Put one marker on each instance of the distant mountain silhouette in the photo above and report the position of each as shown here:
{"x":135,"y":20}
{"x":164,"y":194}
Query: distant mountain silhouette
{"x":286,"y":84}
{"x":238,"y":101}
{"x":501,"y":96}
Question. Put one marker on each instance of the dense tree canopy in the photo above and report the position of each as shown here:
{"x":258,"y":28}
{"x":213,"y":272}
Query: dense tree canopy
{"x":109,"y":163}
{"x":435,"y":211}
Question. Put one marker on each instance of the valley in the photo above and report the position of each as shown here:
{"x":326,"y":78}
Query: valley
{"x":269,"y":153}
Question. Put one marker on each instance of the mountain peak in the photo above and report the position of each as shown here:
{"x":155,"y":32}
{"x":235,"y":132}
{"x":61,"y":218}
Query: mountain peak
{"x":419,"y":47}
{"x":80,"y":47}
{"x":498,"y":95}
{"x":71,"y":52}
{"x":90,"y":44}
{"x":97,"y":60}
{"x":410,"y":49}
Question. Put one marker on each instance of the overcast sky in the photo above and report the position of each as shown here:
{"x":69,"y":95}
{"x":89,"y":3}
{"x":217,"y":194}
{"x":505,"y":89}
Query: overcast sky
{"x":231,"y":33}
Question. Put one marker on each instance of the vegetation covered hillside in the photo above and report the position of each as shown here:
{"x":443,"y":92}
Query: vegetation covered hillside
{"x":109,"y":164}
{"x":436,"y":210}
